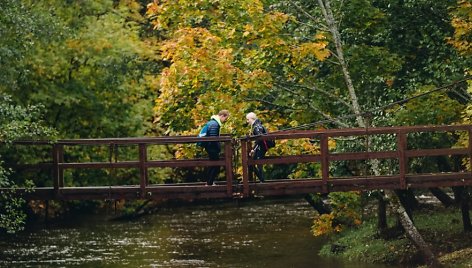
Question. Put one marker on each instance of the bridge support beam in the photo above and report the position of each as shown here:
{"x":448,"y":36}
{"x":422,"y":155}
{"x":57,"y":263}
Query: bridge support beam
{"x":324,"y":162}
{"x":229,"y":167}
{"x":244,"y":156}
{"x":143,"y":174}
{"x":402,"y":159}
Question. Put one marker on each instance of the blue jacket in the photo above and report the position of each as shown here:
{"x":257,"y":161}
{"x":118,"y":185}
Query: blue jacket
{"x":213,"y":131}
{"x":213,"y":128}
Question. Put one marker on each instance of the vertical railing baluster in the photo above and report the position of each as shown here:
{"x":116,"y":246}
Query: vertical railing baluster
{"x":324,"y":162}
{"x":229,"y":168}
{"x":55,"y":168}
{"x":470,"y":148}
{"x":143,"y":169}
{"x":60,"y":168}
{"x":58,"y":173}
{"x":244,"y":156}
{"x":402,"y":159}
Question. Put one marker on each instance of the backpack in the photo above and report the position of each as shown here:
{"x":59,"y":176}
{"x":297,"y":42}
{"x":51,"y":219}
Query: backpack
{"x":270,"y":143}
{"x":203,"y":133}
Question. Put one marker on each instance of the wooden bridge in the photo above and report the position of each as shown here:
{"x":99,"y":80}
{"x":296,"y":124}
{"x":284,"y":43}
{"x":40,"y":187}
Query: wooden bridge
{"x":400,"y":154}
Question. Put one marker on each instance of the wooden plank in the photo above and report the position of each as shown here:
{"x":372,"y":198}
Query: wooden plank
{"x":470,"y":149}
{"x":362,"y":155}
{"x":229,"y":168}
{"x":186,"y":163}
{"x":294,"y":134}
{"x":144,"y":140}
{"x":324,"y":162}
{"x":291,"y":159}
{"x":148,"y":164}
{"x":402,"y":158}
{"x":143,"y":174}
{"x":99,"y":165}
{"x":244,"y":156}
{"x":55,"y":170}
{"x":439,"y":180}
{"x":436,"y":152}
{"x":59,"y":167}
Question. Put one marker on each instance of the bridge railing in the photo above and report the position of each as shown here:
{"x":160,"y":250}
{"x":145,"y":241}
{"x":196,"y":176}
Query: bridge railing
{"x":327,"y":183}
{"x":142,"y":163}
{"x":400,"y":153}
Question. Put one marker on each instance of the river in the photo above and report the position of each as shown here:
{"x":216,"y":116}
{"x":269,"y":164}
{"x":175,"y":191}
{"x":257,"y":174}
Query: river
{"x":261,"y":233}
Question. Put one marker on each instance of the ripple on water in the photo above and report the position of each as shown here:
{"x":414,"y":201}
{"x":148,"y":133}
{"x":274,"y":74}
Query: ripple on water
{"x":258,"y":234}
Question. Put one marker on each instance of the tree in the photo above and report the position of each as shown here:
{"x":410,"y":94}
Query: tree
{"x":368,"y":34}
{"x":87,"y":62}
{"x":16,"y":122}
{"x":224,"y":55}
{"x":220,"y":54}
{"x":461,"y":40}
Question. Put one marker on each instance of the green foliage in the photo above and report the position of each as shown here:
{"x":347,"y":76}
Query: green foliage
{"x":360,"y":244}
{"x":21,"y":122}
{"x":221,"y":55}
{"x":437,"y":108}
{"x":16,"y":122}
{"x":442,"y":229}
{"x":88,"y":70}
{"x":87,"y":63}
{"x":22,"y":29}
{"x":346,"y":212}
{"x":462,"y":23}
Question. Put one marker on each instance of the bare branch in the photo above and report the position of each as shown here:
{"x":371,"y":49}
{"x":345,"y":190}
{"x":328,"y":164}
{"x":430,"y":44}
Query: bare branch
{"x":311,"y":106}
{"x":305,"y":12}
{"x":272,"y":104}
{"x":315,"y":88}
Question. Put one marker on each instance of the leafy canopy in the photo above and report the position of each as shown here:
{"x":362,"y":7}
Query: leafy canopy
{"x":221,"y":55}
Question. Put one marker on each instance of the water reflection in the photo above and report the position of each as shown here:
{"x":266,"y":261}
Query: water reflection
{"x":269,"y":233}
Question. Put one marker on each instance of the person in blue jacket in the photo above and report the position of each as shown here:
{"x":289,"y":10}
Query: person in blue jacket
{"x":213,"y":148}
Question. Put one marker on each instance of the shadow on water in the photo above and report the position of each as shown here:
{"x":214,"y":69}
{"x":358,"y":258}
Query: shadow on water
{"x":269,"y":233}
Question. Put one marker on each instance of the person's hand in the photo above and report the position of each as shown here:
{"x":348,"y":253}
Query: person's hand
{"x":251,"y":153}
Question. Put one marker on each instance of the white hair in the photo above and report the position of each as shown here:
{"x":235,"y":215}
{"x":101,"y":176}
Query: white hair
{"x":251,"y":115}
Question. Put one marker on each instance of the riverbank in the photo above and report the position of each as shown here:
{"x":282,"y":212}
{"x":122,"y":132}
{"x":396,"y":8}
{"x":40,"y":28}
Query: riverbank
{"x":441,"y":228}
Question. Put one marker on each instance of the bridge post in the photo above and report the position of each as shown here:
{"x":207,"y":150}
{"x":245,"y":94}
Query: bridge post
{"x":324,"y":161}
{"x":402,"y":159}
{"x":229,"y":167}
{"x":58,"y":172}
{"x":469,"y":147}
{"x":244,"y":156}
{"x":143,"y":169}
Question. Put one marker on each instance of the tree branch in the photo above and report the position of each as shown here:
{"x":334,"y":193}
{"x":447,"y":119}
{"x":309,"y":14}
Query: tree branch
{"x":310,"y":105}
{"x":272,"y":104}
{"x":315,"y":88}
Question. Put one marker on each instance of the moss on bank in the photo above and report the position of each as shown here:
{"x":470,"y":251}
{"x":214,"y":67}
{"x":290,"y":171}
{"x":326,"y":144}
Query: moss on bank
{"x":441,"y":228}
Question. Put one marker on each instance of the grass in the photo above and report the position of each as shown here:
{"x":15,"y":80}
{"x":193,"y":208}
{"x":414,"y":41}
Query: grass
{"x":441,"y":228}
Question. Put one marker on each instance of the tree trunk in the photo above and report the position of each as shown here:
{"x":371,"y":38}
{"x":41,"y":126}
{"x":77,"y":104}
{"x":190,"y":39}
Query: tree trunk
{"x":412,"y":232}
{"x":444,"y":198}
{"x":461,"y":194}
{"x":408,"y":200}
{"x":382,"y":225}
{"x":317,"y":204}
{"x":333,"y":28}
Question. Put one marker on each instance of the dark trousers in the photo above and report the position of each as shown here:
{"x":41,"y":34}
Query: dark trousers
{"x":212,"y":172}
{"x":258,"y":154}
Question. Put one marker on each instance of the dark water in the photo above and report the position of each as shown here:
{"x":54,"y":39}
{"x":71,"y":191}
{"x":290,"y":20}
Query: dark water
{"x":269,"y":233}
